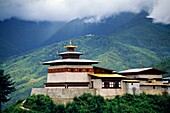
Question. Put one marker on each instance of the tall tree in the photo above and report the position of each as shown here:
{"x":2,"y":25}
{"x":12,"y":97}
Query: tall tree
{"x":6,"y":87}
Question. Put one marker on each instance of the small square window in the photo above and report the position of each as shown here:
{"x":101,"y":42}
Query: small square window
{"x":111,"y":84}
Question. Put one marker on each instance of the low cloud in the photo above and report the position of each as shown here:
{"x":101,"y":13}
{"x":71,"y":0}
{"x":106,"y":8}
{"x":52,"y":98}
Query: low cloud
{"x":66,"y":10}
{"x":161,"y":12}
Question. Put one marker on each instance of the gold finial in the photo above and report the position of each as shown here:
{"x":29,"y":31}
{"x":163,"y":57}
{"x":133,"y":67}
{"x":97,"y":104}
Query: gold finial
{"x":70,"y":42}
{"x":70,"y":47}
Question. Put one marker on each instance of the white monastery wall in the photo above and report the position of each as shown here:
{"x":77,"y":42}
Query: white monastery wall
{"x":133,"y":88}
{"x":97,"y":83}
{"x":68,"y":77}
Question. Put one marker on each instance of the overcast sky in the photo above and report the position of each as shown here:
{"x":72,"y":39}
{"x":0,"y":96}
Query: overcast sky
{"x":66,"y":10}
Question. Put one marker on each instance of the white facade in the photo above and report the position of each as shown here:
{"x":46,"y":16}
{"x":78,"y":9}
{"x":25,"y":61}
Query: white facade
{"x":68,"y":77}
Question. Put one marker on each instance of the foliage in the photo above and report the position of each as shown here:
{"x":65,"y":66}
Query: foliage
{"x":88,"y":103}
{"x":15,"y":108}
{"x":36,"y":104}
{"x":6,"y":87}
{"x":41,"y":103}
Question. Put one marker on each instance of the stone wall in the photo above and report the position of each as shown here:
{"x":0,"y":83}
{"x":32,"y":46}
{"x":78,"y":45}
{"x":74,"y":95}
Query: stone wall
{"x":152,"y":90}
{"x":109,"y":93}
{"x":62,"y":95}
{"x":65,"y":95}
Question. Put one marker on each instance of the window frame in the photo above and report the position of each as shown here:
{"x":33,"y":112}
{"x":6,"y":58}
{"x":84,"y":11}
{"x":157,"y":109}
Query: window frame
{"x":113,"y":84}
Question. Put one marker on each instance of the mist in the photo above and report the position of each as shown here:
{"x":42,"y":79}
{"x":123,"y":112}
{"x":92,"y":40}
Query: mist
{"x":66,"y":10}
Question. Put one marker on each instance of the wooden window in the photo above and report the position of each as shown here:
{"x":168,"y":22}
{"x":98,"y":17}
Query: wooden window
{"x":111,"y":84}
{"x":153,"y":87}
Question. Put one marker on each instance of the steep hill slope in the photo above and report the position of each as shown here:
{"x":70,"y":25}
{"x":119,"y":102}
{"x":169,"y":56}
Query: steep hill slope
{"x":164,"y":65}
{"x":106,"y":26}
{"x":17,"y":36}
{"x":27,"y":71}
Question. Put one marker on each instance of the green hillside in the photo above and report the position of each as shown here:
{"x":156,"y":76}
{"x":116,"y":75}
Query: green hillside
{"x":27,"y":71}
{"x":164,"y":65}
{"x":18,"y":36}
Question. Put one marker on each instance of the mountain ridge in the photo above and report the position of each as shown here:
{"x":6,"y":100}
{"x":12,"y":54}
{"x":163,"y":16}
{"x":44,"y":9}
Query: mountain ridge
{"x":79,"y":27}
{"x":24,"y":35}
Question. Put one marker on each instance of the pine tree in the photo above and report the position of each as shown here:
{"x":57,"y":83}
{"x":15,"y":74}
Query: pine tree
{"x":6,"y":87}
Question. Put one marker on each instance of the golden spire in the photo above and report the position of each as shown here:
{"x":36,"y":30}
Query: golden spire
{"x":70,"y":47}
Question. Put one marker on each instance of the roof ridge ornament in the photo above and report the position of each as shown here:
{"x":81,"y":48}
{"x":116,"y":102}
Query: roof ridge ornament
{"x":70,"y":47}
{"x":70,"y":42}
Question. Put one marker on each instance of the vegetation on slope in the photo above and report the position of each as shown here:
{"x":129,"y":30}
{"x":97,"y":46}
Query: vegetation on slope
{"x":164,"y":65}
{"x":88,"y":103}
{"x":18,"y":36}
{"x":27,"y":71}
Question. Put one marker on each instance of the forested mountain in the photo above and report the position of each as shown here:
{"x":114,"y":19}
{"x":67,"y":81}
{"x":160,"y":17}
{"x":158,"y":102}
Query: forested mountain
{"x":18,"y":36}
{"x":111,"y":25}
{"x":119,"y":42}
{"x":106,"y":26}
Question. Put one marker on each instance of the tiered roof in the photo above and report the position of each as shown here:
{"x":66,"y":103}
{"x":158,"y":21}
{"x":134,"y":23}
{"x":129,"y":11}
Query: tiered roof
{"x":70,"y":57}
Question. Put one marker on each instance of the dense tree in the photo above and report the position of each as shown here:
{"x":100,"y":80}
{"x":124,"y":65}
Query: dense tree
{"x":88,"y":103}
{"x":6,"y":87}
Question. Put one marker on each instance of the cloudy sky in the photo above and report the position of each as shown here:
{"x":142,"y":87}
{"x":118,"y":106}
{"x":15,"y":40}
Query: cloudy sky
{"x":66,"y":10}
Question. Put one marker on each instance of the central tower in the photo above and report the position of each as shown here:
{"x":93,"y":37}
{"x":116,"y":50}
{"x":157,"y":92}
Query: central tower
{"x":69,"y":72}
{"x":70,"y":52}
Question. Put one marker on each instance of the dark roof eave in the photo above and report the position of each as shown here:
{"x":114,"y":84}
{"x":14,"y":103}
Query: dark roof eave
{"x":161,"y":71}
{"x":69,"y":63}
